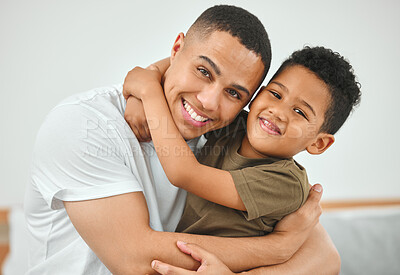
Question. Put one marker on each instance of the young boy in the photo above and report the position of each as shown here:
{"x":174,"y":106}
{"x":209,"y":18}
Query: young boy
{"x":245,"y":179}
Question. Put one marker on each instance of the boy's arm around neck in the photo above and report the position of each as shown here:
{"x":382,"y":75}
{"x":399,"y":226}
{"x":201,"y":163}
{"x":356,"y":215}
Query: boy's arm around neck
{"x":178,"y":161}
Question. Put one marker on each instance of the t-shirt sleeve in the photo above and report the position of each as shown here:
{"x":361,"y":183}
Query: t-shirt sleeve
{"x":78,"y":156}
{"x":269,"y":190}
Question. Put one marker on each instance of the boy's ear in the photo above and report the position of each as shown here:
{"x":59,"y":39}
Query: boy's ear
{"x":178,"y":44}
{"x":323,"y":142}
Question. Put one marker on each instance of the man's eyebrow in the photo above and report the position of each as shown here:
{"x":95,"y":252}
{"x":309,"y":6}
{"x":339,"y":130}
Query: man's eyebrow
{"x":212,"y":64}
{"x":218,"y":72}
{"x":240,"y":87}
{"x":302,"y":101}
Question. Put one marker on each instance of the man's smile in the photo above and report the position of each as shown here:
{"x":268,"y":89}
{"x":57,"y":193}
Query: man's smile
{"x":193,"y":116}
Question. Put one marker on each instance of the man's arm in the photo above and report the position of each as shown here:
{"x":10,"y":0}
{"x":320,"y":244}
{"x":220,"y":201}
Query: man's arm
{"x":117,"y":230}
{"x":318,"y":255}
{"x":303,"y":262}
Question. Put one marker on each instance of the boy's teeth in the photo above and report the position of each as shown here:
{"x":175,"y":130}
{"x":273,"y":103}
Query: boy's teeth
{"x":271,"y":126}
{"x":192,"y":113}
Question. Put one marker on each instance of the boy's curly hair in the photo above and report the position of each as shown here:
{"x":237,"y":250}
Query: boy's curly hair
{"x":338,"y":75}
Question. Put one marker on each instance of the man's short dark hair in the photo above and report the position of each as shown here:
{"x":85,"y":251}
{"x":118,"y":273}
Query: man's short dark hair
{"x":338,"y":75}
{"x":240,"y":24}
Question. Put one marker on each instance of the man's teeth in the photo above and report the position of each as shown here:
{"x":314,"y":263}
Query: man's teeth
{"x":192,"y":113}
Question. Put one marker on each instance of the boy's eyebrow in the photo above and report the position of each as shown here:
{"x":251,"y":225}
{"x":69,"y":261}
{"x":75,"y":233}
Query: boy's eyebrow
{"x":309,"y":106}
{"x":283,"y":87}
{"x":218,"y":72}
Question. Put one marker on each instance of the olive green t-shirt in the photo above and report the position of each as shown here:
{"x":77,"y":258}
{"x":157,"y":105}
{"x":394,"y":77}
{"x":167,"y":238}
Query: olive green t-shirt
{"x":270,"y":188}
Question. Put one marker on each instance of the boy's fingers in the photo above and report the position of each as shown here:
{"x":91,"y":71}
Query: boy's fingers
{"x":197,"y":253}
{"x":153,"y":67}
{"x":143,"y":134}
{"x":164,"y":268}
{"x":147,"y":131}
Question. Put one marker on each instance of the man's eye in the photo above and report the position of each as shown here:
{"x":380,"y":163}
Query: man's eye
{"x":233,"y":93}
{"x":300,"y":112}
{"x":204,"y":72}
{"x":278,"y":96}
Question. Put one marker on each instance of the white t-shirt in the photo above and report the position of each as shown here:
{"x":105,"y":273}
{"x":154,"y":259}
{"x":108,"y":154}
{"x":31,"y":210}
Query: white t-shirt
{"x":86,"y":150}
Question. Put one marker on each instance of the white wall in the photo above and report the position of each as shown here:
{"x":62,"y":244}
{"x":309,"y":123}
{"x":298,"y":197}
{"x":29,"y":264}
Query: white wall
{"x":51,"y":49}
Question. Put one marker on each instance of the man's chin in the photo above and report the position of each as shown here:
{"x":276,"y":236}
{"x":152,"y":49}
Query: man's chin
{"x":189,"y":136}
{"x":192,"y":133}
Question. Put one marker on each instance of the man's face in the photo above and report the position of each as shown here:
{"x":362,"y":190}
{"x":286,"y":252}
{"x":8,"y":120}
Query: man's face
{"x":209,"y":81}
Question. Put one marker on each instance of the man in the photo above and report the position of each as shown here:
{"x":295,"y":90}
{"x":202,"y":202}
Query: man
{"x":95,"y":190}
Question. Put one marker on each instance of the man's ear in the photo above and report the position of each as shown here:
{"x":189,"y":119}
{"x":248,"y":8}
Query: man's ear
{"x":321,"y":144}
{"x":177,"y":45}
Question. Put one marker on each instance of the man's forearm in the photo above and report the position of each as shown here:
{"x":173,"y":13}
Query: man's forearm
{"x":237,"y":253}
{"x":318,"y":255}
{"x":125,"y":243}
{"x":296,"y":230}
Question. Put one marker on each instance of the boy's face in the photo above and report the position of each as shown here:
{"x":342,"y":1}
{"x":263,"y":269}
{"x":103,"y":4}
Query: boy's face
{"x":285,"y":117}
{"x":209,"y":81}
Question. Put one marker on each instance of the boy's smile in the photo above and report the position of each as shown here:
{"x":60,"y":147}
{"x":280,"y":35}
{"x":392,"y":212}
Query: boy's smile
{"x":285,"y":117}
{"x":270,"y":127}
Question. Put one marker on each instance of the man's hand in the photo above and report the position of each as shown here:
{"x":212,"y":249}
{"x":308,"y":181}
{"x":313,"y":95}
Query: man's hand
{"x":292,"y":232}
{"x":297,"y":226}
{"x":137,"y":82}
{"x":210,"y":264}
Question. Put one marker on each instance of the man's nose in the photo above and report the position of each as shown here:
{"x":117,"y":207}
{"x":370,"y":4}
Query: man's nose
{"x":210,"y":98}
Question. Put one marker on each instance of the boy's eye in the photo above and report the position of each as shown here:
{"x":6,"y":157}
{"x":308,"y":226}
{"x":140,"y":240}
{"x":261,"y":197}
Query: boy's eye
{"x":300,"y":112}
{"x":204,"y":72}
{"x":278,"y":96}
{"x":233,"y":93}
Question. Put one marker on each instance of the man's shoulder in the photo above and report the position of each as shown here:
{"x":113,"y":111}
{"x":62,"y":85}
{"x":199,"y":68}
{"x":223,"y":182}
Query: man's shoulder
{"x":105,"y":94}
{"x":105,"y":103}
{"x":89,"y":115}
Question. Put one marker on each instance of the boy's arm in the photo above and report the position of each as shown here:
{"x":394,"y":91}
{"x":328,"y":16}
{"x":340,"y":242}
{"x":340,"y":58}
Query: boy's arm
{"x":178,"y":161}
{"x":134,"y":113}
{"x":117,"y":230}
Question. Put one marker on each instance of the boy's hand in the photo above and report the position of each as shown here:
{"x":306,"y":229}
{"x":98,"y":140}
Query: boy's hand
{"x":210,"y":264}
{"x":297,"y":226}
{"x":137,"y":82}
{"x":134,"y":115}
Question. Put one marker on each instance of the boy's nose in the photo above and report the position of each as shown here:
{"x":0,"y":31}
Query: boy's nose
{"x":278,"y":113}
{"x":210,"y":98}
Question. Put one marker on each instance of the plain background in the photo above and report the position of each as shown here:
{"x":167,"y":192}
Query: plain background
{"x":52,"y":49}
